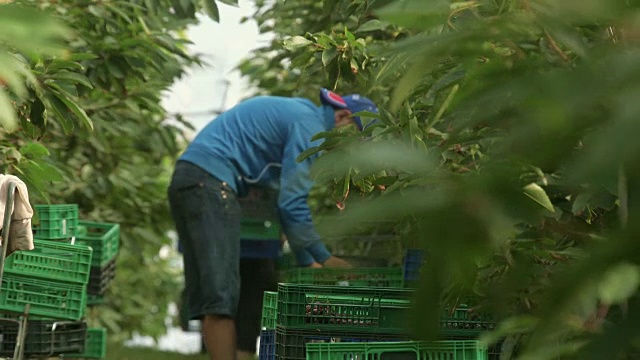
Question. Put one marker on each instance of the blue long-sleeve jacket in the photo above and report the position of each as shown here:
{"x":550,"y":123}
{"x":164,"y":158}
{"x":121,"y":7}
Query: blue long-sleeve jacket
{"x":258,"y":141}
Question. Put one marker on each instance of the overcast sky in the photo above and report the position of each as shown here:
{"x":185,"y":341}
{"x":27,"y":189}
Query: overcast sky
{"x":224,"y":45}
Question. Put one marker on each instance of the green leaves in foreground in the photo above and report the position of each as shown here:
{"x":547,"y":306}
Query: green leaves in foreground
{"x":27,"y":31}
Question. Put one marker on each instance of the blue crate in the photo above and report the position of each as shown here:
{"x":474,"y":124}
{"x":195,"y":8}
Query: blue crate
{"x":413,"y":260}
{"x":259,"y":249}
{"x":267,"y":345}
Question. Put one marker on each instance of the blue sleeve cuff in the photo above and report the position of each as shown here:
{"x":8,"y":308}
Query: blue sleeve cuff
{"x":319,"y":252}
{"x":303,"y":258}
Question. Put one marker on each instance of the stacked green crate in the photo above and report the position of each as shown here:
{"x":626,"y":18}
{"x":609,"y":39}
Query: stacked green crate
{"x":269,"y":310}
{"x":291,"y":340}
{"x":104,"y":239}
{"x":437,"y":350}
{"x":55,"y":222}
{"x":316,"y":313}
{"x":311,"y":313}
{"x":70,"y":267}
{"x":371,"y":277}
{"x":52,"y":279}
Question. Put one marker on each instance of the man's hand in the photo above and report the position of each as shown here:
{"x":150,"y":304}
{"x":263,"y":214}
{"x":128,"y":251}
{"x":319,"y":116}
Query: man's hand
{"x":334,"y":262}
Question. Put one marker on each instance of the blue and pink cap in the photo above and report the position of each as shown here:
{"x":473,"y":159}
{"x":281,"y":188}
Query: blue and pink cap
{"x":354,"y":103}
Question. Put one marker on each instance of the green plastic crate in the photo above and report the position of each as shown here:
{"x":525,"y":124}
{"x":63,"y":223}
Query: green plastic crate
{"x":44,"y":338}
{"x":362,"y":309}
{"x":259,"y":229}
{"x":291,"y":343}
{"x":55,"y":222}
{"x":104,"y":239}
{"x":52,"y":260}
{"x":48,"y":298}
{"x":438,"y":350}
{"x":95,"y":346}
{"x":370,"y":277}
{"x":463,"y":322}
{"x":269,"y":310}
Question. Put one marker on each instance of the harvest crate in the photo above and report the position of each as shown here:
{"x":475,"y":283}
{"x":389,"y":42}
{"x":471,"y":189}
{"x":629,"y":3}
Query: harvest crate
{"x":267,"y":349}
{"x":380,"y":310}
{"x":95,"y":345}
{"x":406,"y":350}
{"x":370,"y":277}
{"x":269,"y":310}
{"x":291,"y":343}
{"x":463,"y":323}
{"x":48,"y":298}
{"x":55,"y":222}
{"x":104,"y":239}
{"x":52,"y":260}
{"x":44,"y":337}
{"x":259,"y":229}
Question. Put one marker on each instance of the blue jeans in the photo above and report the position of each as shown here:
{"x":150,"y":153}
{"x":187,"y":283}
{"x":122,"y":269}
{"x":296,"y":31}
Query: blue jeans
{"x":206,"y":213}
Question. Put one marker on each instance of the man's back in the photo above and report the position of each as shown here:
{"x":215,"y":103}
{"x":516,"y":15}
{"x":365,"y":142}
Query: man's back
{"x":248,"y":142}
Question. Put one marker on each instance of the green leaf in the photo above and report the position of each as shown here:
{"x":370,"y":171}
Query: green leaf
{"x":410,"y":81}
{"x":61,"y":111}
{"x":328,"y":55}
{"x":8,"y":118}
{"x":349,"y":35}
{"x":580,"y":203}
{"x":619,"y":283}
{"x":537,"y":194}
{"x":74,"y":77}
{"x":211,"y":8}
{"x":42,"y":171}
{"x":34,"y":149}
{"x":13,"y":72}
{"x":308,"y":153}
{"x":76,"y":110}
{"x":64,"y":64}
{"x":296,"y":42}
{"x":373,"y":25}
{"x":326,"y":135}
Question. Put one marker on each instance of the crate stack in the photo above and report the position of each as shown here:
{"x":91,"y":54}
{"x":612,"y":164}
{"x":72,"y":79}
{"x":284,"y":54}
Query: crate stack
{"x":357,"y":313}
{"x":104,"y":239}
{"x":48,"y":284}
{"x":73,"y":252}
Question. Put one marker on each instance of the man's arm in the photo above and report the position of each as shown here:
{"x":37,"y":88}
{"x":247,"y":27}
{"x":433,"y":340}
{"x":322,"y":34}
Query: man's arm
{"x":295,"y":184}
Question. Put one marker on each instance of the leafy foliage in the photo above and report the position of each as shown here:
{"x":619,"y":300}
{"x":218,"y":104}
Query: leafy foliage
{"x":505,"y":149}
{"x":80,"y":89}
